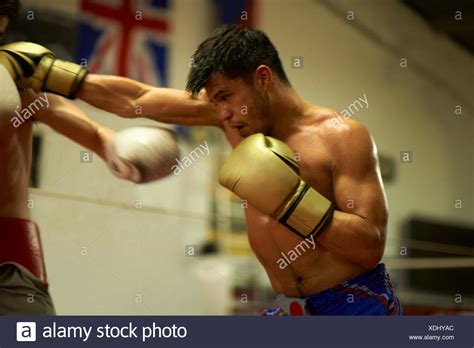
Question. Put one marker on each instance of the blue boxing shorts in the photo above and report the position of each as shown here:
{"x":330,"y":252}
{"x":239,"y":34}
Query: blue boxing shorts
{"x":370,"y":293}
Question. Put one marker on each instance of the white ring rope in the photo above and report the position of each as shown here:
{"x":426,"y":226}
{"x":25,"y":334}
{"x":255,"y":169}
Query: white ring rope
{"x":121,"y":205}
{"x":460,"y":250}
{"x":429,"y":262}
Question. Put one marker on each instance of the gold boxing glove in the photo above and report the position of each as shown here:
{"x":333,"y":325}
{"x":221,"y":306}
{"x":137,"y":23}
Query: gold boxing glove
{"x":263,"y":170}
{"x":34,"y":66}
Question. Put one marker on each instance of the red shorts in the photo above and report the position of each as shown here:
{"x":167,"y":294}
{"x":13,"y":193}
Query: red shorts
{"x":20,"y":244}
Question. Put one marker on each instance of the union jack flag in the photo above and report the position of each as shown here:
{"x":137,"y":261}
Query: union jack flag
{"x":242,"y":12}
{"x":126,"y":38}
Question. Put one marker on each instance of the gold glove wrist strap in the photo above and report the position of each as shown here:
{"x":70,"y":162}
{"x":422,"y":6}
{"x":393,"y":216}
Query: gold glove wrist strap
{"x":308,"y":213}
{"x":60,"y":77}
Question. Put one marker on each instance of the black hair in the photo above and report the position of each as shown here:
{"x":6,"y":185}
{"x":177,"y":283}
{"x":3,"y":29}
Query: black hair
{"x":234,"y":51}
{"x":10,"y":9}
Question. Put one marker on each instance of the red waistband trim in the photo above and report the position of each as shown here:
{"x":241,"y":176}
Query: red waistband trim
{"x":20,"y":243}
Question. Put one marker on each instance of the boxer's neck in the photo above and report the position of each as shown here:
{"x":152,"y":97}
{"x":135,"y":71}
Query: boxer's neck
{"x":287,"y":110}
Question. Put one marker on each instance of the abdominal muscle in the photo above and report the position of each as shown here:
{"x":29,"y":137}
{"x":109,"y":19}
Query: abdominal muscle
{"x":314,"y":270}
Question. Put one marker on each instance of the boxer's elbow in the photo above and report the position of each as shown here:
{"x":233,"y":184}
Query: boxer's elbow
{"x":136,"y":104}
{"x":128,"y":108}
{"x":373,"y":259}
{"x":375,"y":249}
{"x":128,"y":104}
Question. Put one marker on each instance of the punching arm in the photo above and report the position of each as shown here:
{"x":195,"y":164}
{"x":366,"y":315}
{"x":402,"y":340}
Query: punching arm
{"x":129,"y":98}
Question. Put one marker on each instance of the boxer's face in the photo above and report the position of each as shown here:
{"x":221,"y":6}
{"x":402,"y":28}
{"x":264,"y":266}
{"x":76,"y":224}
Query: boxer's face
{"x":240,"y":104}
{"x":3,"y":25}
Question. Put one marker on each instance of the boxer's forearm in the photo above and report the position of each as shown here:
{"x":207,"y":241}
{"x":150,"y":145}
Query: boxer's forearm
{"x":129,"y":98}
{"x":112,"y":93}
{"x":70,"y":121}
{"x":354,"y":238}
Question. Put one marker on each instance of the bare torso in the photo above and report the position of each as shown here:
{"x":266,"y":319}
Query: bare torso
{"x":15,"y":161}
{"x":315,"y":269}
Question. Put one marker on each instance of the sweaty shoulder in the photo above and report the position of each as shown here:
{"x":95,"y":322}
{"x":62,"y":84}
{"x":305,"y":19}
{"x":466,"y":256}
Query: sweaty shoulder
{"x":346,"y":139}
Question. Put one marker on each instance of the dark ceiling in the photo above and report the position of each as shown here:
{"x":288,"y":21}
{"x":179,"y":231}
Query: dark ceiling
{"x":440,"y":14}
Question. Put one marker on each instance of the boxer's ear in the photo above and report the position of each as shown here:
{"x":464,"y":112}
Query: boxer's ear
{"x":203,"y":95}
{"x":263,"y":76}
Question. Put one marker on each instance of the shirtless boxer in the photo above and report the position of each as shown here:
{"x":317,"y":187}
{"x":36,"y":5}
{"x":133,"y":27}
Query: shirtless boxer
{"x":329,"y":191}
{"x":23,"y":280}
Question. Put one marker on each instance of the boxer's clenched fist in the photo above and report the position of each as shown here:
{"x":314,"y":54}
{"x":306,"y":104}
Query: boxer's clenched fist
{"x":34,"y":66}
{"x":263,"y":170}
{"x":142,"y":154}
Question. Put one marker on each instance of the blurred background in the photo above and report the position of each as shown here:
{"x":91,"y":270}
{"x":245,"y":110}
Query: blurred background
{"x":179,"y":246}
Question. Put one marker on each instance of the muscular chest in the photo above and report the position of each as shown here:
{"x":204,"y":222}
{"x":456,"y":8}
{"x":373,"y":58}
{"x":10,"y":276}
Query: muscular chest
{"x":315,"y":164}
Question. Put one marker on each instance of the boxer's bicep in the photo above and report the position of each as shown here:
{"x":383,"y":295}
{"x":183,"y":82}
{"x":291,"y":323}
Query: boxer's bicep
{"x":357,"y":183}
{"x":358,"y":228}
{"x":363,"y":197}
